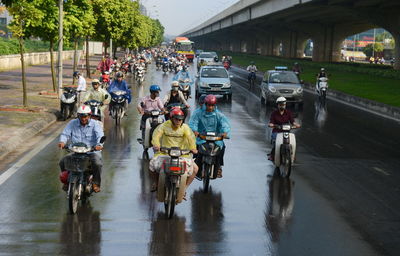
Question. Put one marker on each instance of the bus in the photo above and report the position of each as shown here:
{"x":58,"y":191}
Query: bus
{"x":185,"y":47}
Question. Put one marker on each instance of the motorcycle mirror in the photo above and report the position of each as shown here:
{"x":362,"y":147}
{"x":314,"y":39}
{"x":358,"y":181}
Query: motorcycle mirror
{"x":103,"y":139}
{"x":230,"y":76}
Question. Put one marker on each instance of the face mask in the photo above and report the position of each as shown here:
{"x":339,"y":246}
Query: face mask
{"x":282,"y":108}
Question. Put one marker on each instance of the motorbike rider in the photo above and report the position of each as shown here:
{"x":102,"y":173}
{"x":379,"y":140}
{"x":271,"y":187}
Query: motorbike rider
{"x":84,"y":129}
{"x":208,"y":119}
{"x":99,"y":94}
{"x":81,"y":89}
{"x":280,"y":116}
{"x":297,"y":69}
{"x":173,"y":133}
{"x":200,"y":64}
{"x":149,"y":103}
{"x":175,"y":96}
{"x":105,"y":64}
{"x":252,"y":68}
{"x":322,"y":73}
{"x":119,"y":84}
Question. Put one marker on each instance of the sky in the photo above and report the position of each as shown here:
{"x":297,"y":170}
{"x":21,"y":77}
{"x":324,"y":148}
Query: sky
{"x":178,"y":16}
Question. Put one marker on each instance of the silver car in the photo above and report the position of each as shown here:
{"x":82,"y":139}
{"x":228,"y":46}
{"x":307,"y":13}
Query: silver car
{"x":214,"y":80}
{"x":208,"y":57}
{"x":277,"y":83}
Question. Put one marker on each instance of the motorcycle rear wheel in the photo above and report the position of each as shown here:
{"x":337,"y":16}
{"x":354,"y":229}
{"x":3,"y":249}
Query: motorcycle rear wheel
{"x":73,"y":197}
{"x":171,"y":200}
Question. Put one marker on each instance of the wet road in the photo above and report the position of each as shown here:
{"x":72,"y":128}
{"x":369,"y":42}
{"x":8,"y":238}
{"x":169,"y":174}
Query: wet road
{"x":341,"y":198}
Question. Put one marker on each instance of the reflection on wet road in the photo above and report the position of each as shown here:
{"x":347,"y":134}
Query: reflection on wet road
{"x":250,"y":211}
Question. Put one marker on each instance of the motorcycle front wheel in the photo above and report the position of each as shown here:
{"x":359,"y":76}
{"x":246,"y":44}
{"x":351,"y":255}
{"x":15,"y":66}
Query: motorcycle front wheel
{"x":286,"y":165}
{"x":73,"y":197}
{"x":206,"y":177}
{"x":170,"y":200}
{"x":65,"y":113}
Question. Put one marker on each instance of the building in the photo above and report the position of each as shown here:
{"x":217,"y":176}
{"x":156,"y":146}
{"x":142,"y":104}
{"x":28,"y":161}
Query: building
{"x":5,"y":19}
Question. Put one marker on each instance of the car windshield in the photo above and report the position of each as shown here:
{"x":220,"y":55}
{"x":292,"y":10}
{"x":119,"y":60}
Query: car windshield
{"x":283,"y":78}
{"x":214,"y":72}
{"x":206,"y":55}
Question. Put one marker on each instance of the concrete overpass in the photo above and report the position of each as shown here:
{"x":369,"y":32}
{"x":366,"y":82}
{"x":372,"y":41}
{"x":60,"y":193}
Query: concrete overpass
{"x":260,"y":26}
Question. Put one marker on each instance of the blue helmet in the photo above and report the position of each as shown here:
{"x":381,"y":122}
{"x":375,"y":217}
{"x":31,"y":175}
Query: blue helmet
{"x":155,"y":88}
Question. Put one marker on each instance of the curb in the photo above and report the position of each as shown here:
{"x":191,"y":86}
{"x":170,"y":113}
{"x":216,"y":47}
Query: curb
{"x":25,"y":133}
{"x":375,"y":107}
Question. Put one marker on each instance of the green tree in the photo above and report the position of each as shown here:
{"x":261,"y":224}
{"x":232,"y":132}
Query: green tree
{"x":372,"y":49}
{"x":47,"y":30}
{"x":79,"y":23}
{"x":25,"y":14}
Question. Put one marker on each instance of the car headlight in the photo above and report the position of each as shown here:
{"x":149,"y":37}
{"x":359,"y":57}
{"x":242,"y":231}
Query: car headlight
{"x":204,"y":84}
{"x":299,"y":90}
{"x":227,"y":85}
{"x":272,"y":89}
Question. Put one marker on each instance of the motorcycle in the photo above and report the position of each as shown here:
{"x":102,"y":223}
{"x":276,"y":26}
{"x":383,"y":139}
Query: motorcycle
{"x":158,"y":63}
{"x":68,"y":102}
{"x":252,"y":79}
{"x":95,"y":108}
{"x":125,"y":67}
{"x":323,"y":87}
{"x":208,"y":153}
{"x":165,"y":67}
{"x":285,"y":150}
{"x":140,"y":75}
{"x":118,"y":101}
{"x":184,"y":87}
{"x":151,"y":124}
{"x":172,"y":179}
{"x":80,"y":174}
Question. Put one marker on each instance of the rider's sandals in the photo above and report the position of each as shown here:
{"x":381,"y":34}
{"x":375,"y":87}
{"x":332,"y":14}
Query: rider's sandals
{"x":184,"y":197}
{"x":96,"y":188}
{"x":219,"y":173}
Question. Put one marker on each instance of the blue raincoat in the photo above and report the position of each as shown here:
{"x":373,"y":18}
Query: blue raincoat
{"x":120,"y":86}
{"x":182,"y":75}
{"x":203,"y":122}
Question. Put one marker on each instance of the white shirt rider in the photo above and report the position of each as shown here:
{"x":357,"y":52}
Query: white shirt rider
{"x":252,"y":68}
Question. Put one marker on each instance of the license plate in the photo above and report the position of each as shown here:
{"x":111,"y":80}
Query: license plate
{"x":215,"y":89}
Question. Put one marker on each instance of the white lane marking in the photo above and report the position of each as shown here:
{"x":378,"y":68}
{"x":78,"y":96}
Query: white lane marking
{"x":381,"y":171}
{"x":338,"y":146}
{"x":20,"y":163}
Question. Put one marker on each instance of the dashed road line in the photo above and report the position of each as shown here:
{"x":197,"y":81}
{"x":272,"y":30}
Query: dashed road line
{"x":381,"y":171}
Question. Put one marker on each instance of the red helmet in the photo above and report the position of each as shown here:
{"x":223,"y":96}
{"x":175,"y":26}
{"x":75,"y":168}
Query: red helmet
{"x":177,"y":113}
{"x":64,"y":177}
{"x":210,"y":100}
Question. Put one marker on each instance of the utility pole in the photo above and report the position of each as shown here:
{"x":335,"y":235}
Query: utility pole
{"x":111,"y":49}
{"x":60,"y":45}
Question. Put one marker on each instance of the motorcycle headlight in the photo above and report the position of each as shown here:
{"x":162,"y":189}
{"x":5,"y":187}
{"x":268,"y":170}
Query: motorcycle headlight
{"x":299,"y":90}
{"x":175,"y":153}
{"x":79,"y":149}
{"x":272,"y":89}
{"x":204,"y":84}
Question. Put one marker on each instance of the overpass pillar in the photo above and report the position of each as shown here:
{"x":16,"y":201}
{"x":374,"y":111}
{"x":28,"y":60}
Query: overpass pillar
{"x":396,"y":37}
{"x":326,"y":45}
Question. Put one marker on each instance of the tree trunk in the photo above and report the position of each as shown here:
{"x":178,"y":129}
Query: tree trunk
{"x":53,"y":73}
{"x":87,"y":58}
{"x":21,"y":50}
{"x":114,"y":51}
{"x":74,"y":67}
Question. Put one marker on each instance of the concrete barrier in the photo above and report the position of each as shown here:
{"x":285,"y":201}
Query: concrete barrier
{"x":8,"y":62}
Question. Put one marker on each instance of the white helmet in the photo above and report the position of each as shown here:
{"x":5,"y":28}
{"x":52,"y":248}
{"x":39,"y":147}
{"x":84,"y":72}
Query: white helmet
{"x":84,"y":110}
{"x":322,"y":69}
{"x":280,"y":100}
{"x":175,"y":84}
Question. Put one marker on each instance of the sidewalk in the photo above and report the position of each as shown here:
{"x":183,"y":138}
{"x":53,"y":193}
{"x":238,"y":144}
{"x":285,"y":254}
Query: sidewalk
{"x":18,"y":124}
